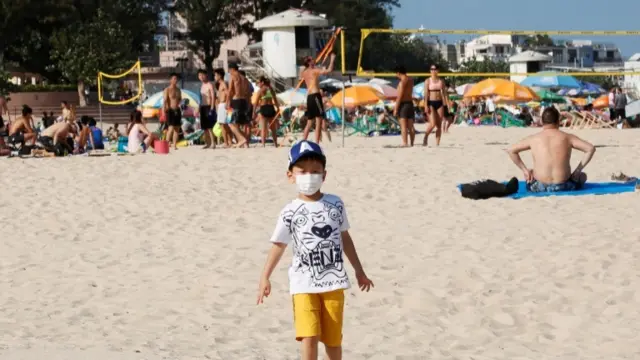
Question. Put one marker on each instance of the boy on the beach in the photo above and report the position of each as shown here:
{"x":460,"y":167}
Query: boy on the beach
{"x":316,"y":225}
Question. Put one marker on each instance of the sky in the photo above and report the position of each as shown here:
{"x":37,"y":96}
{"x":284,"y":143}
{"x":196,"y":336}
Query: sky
{"x":526,"y":15}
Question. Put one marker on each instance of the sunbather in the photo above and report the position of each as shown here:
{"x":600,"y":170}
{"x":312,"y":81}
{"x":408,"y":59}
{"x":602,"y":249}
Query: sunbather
{"x":21,"y":130}
{"x":551,"y":151}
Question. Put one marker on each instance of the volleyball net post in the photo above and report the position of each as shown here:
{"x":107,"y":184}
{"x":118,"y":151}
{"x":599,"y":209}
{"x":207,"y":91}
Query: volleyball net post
{"x":101,"y":76}
{"x":365,"y":33}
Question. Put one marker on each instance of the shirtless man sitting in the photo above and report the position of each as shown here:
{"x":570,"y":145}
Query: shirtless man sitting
{"x":551,"y":152}
{"x":21,"y":129}
{"x":315,"y":104}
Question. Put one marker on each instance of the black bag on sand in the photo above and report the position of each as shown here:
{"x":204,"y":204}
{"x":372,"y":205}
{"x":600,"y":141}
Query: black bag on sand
{"x":485,"y":189}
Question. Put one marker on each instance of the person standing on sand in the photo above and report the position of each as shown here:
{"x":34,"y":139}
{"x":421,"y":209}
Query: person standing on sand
{"x":404,"y":108}
{"x":325,"y":122}
{"x":267,"y":110}
{"x":207,"y":104}
{"x":171,"y":106}
{"x":315,"y":107}
{"x":237,"y":100}
{"x":551,"y":151}
{"x":222,"y":106}
{"x":435,"y":93}
{"x":248,"y":95}
{"x":316,"y":225}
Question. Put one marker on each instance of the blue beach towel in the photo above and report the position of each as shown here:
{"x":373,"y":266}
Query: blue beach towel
{"x":604,"y":188}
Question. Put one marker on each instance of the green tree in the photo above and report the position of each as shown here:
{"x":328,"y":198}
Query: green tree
{"x":26,"y":29}
{"x":102,"y":36}
{"x":538,"y":40}
{"x":210,"y":23}
{"x":472,"y":65}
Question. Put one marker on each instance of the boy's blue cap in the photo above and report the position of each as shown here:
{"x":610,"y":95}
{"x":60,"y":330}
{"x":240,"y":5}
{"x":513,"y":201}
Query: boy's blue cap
{"x":304,"y":149}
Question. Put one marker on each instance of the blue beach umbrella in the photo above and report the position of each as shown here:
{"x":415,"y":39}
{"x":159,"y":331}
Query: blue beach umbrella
{"x":551,"y":80}
{"x":585,"y":89}
{"x":418,"y":91}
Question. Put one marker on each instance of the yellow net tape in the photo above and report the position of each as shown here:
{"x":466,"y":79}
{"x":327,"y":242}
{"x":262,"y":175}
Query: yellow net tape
{"x":366,"y":32}
{"x":136,"y":67}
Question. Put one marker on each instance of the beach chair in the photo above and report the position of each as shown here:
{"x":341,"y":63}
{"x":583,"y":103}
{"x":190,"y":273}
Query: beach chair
{"x":509,"y":120}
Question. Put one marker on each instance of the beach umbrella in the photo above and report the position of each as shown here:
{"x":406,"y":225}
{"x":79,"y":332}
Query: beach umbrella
{"x":388,"y":92}
{"x":551,"y":80}
{"x":357,"y":96}
{"x":156,"y":100}
{"x":504,"y":90}
{"x":418,"y":91}
{"x":550,"y":96}
{"x":293,"y":97}
{"x":460,"y":90}
{"x":601,"y":103}
{"x":379,"y":81}
{"x":148,"y":113}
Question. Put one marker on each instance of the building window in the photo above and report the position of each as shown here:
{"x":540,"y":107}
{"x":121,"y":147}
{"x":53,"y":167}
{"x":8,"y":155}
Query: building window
{"x":610,"y":55}
{"x":302,"y":37}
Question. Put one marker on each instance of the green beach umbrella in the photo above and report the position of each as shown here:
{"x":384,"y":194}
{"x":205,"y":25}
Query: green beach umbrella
{"x":550,"y":96}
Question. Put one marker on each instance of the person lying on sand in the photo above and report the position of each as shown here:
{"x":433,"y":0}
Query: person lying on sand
{"x":57,"y":134}
{"x":551,"y":152}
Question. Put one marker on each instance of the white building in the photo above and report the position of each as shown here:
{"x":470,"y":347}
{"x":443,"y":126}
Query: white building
{"x":632,"y":82}
{"x":527,"y":62}
{"x":172,"y":48}
{"x":490,"y":47}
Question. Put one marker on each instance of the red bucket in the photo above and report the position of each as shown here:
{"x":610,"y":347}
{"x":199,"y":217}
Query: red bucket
{"x":161,"y":146}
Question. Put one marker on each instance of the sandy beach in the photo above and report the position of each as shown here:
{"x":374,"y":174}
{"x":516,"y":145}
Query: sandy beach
{"x":159,"y":257}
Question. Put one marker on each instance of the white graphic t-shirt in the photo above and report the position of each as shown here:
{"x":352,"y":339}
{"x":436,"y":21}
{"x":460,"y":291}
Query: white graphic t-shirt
{"x":315,"y":231}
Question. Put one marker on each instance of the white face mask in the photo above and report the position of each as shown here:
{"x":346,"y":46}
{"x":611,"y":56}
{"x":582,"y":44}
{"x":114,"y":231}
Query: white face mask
{"x":309,"y":184}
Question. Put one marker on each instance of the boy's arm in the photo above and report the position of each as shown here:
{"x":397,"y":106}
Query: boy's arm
{"x":352,"y":254}
{"x":275,"y":254}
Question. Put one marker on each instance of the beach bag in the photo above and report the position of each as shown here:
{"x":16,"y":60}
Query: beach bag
{"x":486,"y":189}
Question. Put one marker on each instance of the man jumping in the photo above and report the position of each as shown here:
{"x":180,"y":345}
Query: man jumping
{"x":315,"y":106}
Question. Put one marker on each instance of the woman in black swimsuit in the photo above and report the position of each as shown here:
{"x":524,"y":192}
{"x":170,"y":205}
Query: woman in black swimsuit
{"x":267,"y":111}
{"x":436,"y":97}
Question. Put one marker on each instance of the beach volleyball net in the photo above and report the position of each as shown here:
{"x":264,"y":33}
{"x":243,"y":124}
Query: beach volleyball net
{"x":373,"y":41}
{"x":120,"y":89}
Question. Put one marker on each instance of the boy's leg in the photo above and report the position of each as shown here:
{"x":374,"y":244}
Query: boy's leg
{"x":307,"y":318}
{"x":309,"y":350}
{"x":332,"y":315}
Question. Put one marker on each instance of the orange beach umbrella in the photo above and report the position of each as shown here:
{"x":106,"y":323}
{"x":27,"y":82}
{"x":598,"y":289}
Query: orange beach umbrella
{"x":601,"y":102}
{"x":357,"y":96}
{"x":504,"y":89}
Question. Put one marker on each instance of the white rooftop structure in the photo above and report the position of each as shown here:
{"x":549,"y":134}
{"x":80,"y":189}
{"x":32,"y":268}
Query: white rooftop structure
{"x":528,"y":56}
{"x":291,"y":18}
{"x":635,"y":57}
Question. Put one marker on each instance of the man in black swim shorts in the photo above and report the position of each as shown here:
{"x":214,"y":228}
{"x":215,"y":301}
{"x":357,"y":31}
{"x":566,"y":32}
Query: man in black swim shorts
{"x":404,"y":109}
{"x":172,"y":100}
{"x":238,"y":101}
{"x":315,"y":106}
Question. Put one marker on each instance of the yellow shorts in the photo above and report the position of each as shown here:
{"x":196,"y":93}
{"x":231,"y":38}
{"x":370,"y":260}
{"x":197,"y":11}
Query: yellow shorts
{"x":319,"y":315}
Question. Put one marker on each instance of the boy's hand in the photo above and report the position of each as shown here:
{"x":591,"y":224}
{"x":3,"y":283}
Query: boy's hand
{"x":364,"y":283}
{"x":264,"y":290}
